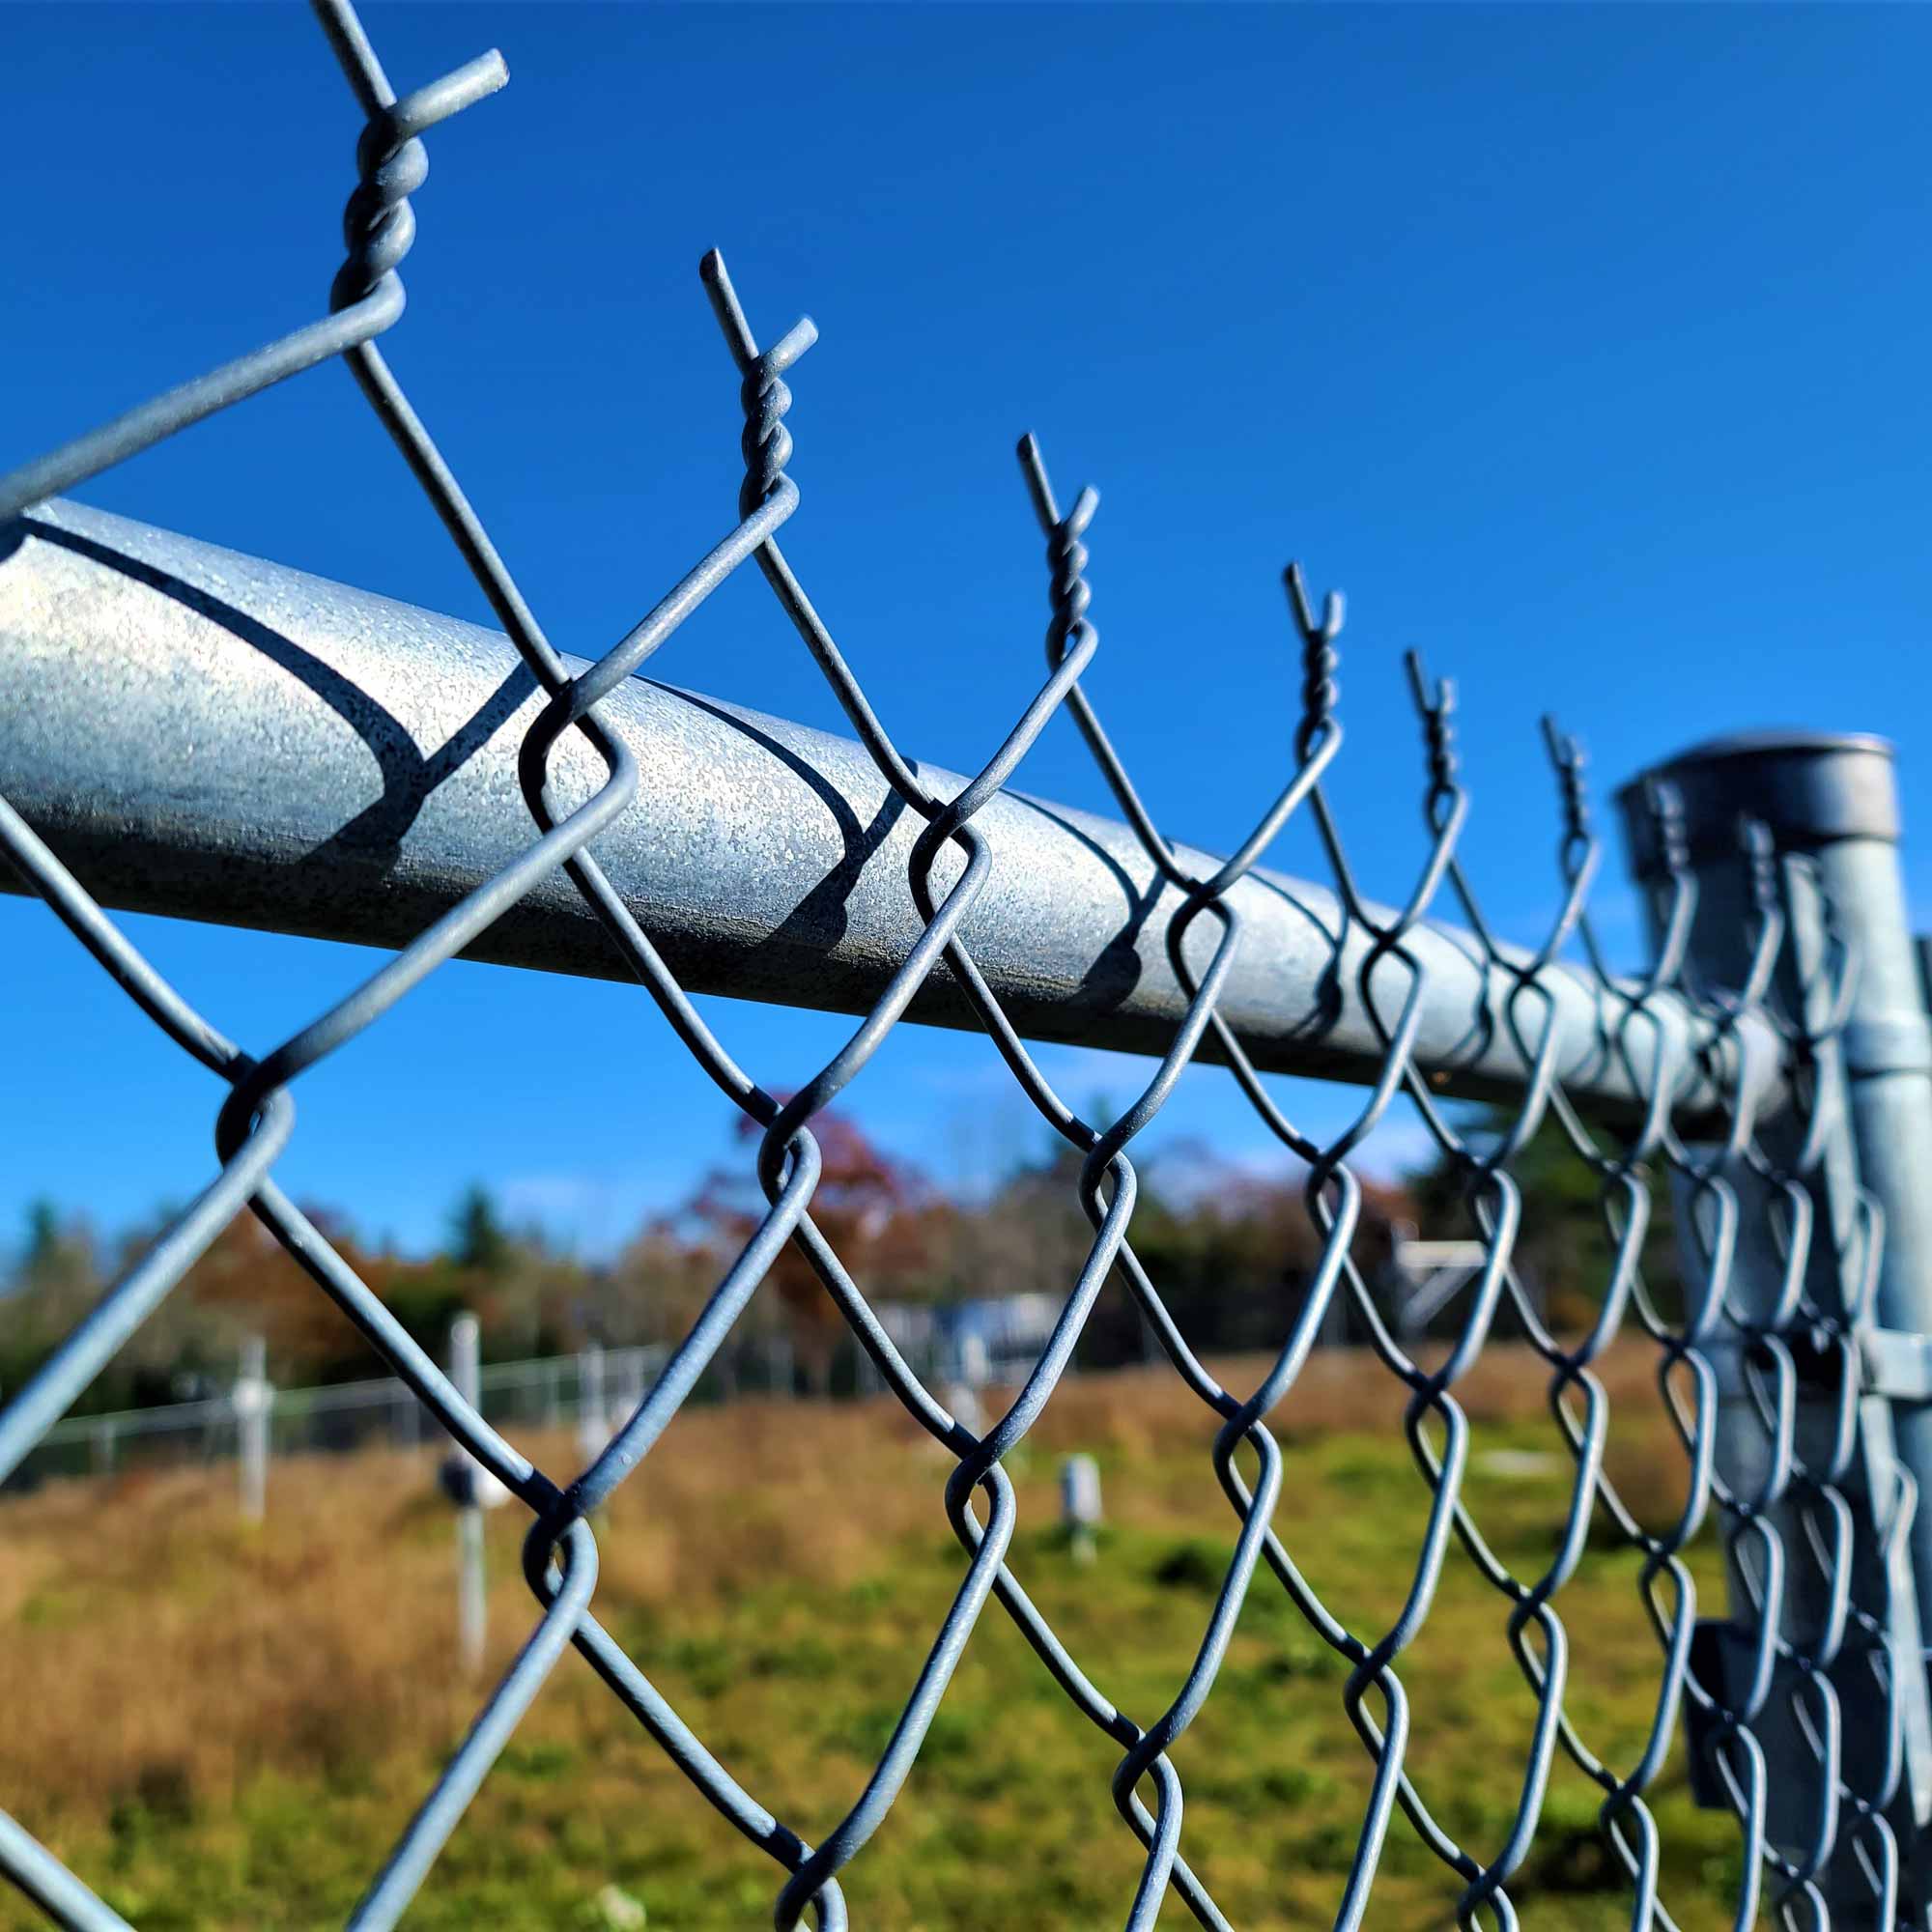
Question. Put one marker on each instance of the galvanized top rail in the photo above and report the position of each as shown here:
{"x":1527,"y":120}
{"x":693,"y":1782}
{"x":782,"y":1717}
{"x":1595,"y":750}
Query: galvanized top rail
{"x":293,"y":753}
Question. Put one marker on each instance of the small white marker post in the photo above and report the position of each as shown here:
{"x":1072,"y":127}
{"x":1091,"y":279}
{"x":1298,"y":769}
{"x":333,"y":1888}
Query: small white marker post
{"x":971,"y":1370}
{"x":1080,"y":1505}
{"x":975,"y":1361}
{"x":464,"y":1479}
{"x":253,"y":1399}
{"x":964,"y":1402}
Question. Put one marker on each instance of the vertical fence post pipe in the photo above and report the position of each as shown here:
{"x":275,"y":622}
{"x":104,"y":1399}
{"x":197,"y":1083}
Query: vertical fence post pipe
{"x":254,"y":1398}
{"x":1830,"y":804}
{"x":1080,"y":1512}
{"x":593,"y":1412}
{"x":465,"y":1372}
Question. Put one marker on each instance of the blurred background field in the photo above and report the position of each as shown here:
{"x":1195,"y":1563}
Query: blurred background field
{"x":221,"y":1726}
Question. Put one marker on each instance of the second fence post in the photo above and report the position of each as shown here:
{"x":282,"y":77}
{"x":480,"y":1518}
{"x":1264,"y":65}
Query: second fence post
{"x":1828,"y":803}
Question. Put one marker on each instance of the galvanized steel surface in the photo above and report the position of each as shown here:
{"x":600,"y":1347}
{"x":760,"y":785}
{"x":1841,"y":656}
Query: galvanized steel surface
{"x":401,"y":838}
{"x":293,"y":753}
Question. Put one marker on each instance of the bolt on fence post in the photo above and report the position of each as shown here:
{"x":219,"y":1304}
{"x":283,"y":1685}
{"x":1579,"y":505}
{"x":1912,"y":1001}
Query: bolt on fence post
{"x":253,"y":1399}
{"x":465,"y":1372}
{"x":1828,"y":803}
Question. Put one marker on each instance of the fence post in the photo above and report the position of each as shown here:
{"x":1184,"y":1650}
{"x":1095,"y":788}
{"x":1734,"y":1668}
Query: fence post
{"x":253,"y":1401}
{"x":594,"y":1413}
{"x":1080,"y":1512}
{"x":631,"y":1385}
{"x":1828,"y":802}
{"x":465,"y":1372}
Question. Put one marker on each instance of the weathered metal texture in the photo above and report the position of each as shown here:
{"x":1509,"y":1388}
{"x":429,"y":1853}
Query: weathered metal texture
{"x":299,"y":755}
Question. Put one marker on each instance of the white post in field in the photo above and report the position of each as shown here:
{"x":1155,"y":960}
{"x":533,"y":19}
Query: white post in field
{"x":594,"y":1413}
{"x":464,"y":1370}
{"x":253,"y":1401}
{"x":1080,"y":1505}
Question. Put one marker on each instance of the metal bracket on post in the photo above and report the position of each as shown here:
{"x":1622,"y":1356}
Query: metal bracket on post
{"x":1898,"y":1365}
{"x":1828,"y":803}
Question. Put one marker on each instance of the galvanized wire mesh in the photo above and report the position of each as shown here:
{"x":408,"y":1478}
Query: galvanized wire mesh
{"x":1807,"y":1545}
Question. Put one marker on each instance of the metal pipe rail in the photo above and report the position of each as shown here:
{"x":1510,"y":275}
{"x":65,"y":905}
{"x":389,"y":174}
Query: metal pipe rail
{"x":293,"y":754}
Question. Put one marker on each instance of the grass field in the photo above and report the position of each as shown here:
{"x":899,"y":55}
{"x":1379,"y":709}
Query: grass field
{"x":224,"y":1727}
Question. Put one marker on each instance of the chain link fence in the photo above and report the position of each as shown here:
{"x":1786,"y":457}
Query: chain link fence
{"x":1766,"y":1063}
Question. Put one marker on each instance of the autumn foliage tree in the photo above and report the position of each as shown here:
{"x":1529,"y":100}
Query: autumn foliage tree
{"x":882,"y":1220}
{"x":1232,"y":1251}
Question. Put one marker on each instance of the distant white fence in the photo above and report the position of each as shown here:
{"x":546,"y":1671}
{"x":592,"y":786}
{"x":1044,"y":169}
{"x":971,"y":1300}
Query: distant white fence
{"x":970,"y":1344}
{"x":336,"y":1418}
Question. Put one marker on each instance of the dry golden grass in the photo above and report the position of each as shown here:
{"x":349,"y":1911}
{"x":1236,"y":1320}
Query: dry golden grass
{"x":194,"y":1703}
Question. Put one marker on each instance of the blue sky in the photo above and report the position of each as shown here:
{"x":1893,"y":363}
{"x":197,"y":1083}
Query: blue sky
{"x":1582,"y":346}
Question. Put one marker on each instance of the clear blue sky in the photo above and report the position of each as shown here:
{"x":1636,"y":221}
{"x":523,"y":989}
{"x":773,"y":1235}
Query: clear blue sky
{"x":1583,"y":347}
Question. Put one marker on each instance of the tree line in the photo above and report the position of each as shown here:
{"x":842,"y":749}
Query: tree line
{"x":1231,"y":1251}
